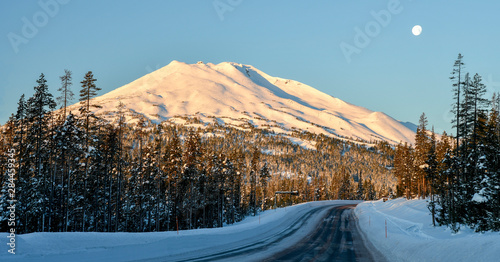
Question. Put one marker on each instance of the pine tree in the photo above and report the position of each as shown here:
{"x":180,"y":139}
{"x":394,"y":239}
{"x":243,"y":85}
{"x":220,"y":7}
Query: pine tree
{"x":66,"y":93}
{"x":254,"y":169}
{"x":231,"y":190}
{"x":478,"y":90}
{"x":441,"y":179}
{"x":88,"y":91}
{"x":371,"y":194}
{"x":191,"y":176}
{"x":345,"y":190}
{"x":361,"y":191}
{"x":160,"y":178}
{"x":173,"y":169}
{"x":20,"y":148}
{"x":422,"y":146}
{"x":39,"y":108}
{"x":491,"y":161}
{"x":431,"y":171}
{"x":483,"y":212}
{"x":405,"y":170}
{"x":457,"y":82}
{"x":120,"y":124}
{"x":264,"y":178}
{"x":467,"y":175}
{"x":233,"y":164}
{"x":69,"y":150}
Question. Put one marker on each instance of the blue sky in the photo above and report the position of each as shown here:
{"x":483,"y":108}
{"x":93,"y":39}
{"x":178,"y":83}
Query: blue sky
{"x":393,"y":71}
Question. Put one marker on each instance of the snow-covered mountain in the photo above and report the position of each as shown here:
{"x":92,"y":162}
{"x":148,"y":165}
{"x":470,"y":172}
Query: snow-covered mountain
{"x":240,"y":95}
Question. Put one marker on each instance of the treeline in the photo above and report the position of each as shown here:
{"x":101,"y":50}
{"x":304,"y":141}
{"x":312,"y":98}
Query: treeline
{"x":461,"y":174}
{"x":77,"y":171}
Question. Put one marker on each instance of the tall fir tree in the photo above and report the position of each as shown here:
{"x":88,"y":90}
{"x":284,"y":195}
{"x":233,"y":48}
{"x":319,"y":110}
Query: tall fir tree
{"x":39,"y":108}
{"x":69,"y":149}
{"x":254,"y":170}
{"x":422,"y":147}
{"x":87,"y":92}
{"x":264,"y":180}
{"x":173,"y":170}
{"x":360,"y":193}
{"x":191,"y":174}
{"x":431,"y":169}
{"x":456,"y":77}
{"x":66,"y":93}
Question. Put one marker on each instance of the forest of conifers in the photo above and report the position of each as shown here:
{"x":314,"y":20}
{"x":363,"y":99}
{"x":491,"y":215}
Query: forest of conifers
{"x":76,"y":171}
{"x":460,"y":174}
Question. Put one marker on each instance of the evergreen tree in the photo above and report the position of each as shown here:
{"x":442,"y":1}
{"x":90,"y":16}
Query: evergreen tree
{"x":463,"y":179}
{"x":360,"y":193}
{"x":483,"y":212}
{"x":20,"y":148}
{"x":120,"y":124}
{"x":39,"y":108}
{"x":405,"y":170}
{"x":68,"y":146}
{"x":457,"y":82}
{"x":232,"y":190}
{"x":478,"y":90}
{"x":431,"y":170}
{"x":264,"y":177}
{"x":345,"y":191}
{"x":422,"y":147}
{"x":254,"y":169}
{"x":191,"y":173}
{"x":371,"y":194}
{"x":173,"y":169}
{"x":88,"y":91}
{"x":66,"y":93}
{"x":160,"y":178}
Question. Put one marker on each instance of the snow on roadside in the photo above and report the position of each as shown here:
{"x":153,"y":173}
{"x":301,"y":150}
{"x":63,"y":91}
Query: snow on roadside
{"x":411,"y":236}
{"x":138,"y":246}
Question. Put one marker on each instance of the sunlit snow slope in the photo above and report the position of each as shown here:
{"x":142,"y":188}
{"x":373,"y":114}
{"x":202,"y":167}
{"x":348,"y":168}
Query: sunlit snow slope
{"x":237,"y":94}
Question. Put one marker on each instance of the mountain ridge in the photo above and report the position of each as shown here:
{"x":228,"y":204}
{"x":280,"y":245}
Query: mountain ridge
{"x":238,"y":94}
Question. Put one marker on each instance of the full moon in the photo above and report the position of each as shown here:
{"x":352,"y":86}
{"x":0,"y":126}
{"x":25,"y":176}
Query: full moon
{"x":416,"y":30}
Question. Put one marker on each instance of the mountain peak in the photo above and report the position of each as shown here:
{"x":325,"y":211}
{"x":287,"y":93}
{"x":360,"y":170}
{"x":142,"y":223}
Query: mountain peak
{"x":241,"y":95}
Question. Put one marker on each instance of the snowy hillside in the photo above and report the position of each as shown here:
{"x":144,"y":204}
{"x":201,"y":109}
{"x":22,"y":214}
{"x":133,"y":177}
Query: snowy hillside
{"x":240,"y":95}
{"x":411,"y":236}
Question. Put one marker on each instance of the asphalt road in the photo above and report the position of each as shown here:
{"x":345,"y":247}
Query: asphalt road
{"x":335,"y":238}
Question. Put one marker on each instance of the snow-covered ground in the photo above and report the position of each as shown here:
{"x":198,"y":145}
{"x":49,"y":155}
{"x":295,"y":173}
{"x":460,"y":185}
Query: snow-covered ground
{"x":167,"y":246}
{"x":411,"y":236}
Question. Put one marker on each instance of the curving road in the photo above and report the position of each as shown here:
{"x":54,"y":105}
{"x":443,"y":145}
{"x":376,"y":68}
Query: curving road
{"x":335,"y":237}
